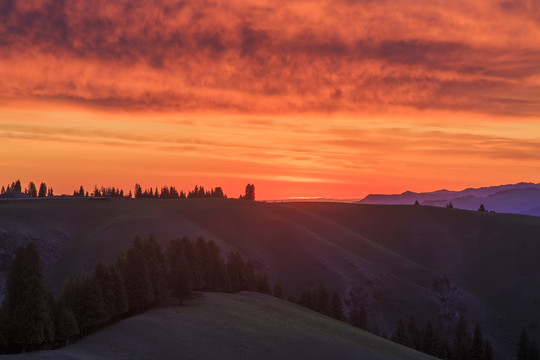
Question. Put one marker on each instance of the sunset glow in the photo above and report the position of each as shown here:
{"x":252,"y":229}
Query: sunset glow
{"x":333,"y":99}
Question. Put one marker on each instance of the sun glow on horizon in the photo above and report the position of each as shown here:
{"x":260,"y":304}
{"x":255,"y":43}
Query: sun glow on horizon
{"x":301,"y":100}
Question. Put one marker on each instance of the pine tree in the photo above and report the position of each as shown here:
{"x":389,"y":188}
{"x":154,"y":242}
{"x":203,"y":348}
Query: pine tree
{"x":488,"y":350}
{"x":65,"y":324}
{"x":156,"y":267}
{"x":278,"y":290}
{"x":42,"y":190}
{"x":29,"y":321}
{"x":523,"y":346}
{"x":137,"y":278}
{"x":32,"y":190}
{"x":263,"y":286}
{"x":336,"y":306}
{"x":533,"y":350}
{"x":477,"y":346}
{"x":414,"y":338}
{"x":16,"y":187}
{"x":181,"y":279}
{"x":3,"y":340}
{"x":107,"y":284}
{"x":119,"y":290}
{"x":461,"y":339}
{"x":92,"y":311}
{"x":358,"y":318}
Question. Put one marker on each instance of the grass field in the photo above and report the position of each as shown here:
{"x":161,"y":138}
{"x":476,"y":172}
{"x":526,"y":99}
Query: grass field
{"x":224,"y":326}
{"x":387,"y":258}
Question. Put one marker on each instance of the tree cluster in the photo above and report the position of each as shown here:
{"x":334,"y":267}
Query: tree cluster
{"x":172,"y":193}
{"x":432,"y":339}
{"x":31,"y":318}
{"x":321,"y":301}
{"x":31,"y":190}
{"x":527,"y":349}
{"x":249,"y":192}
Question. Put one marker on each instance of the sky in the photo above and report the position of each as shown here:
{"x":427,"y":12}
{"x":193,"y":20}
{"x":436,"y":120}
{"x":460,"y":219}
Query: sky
{"x":322,"y":98}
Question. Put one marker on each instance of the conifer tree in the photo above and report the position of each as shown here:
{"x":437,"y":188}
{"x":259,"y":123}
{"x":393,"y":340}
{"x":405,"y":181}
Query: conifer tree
{"x":523,"y":346}
{"x":16,"y":186}
{"x":65,"y":324}
{"x":156,"y":267}
{"x":461,"y":339}
{"x":336,"y":306}
{"x":32,"y":190}
{"x":278,"y":290}
{"x":29,"y":322}
{"x":263,"y":286}
{"x":3,"y":340}
{"x":181,"y":279}
{"x":92,"y":311}
{"x":137,"y":279}
{"x":106,"y":282}
{"x":322,"y":302}
{"x":477,"y":346}
{"x":488,"y":350}
{"x":358,"y":318}
{"x":42,"y":190}
{"x":119,"y":290}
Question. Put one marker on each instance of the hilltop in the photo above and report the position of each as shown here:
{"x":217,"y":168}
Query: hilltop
{"x":224,"y":326}
{"x":396,"y":261}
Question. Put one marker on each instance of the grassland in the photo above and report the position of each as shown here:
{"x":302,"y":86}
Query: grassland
{"x":394,"y":260}
{"x":223,"y":326}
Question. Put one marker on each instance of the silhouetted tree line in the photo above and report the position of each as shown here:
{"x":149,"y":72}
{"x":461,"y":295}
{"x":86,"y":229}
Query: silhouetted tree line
{"x":172,"y":193}
{"x":320,"y":300}
{"x":433,"y":339}
{"x":527,"y":350}
{"x":31,"y":318}
{"x":31,"y":190}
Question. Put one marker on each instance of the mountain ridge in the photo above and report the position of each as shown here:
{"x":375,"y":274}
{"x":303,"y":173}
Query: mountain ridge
{"x":520,"y":198}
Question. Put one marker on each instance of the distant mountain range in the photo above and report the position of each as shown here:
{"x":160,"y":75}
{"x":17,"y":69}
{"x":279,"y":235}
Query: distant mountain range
{"x":522,"y":198}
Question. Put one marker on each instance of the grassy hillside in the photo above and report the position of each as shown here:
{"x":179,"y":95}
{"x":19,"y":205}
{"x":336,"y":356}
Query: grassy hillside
{"x":222,"y":326}
{"x":394,"y":260}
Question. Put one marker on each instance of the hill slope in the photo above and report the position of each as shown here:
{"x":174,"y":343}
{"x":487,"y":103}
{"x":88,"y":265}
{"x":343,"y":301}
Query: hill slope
{"x":223,"y":326}
{"x":396,"y":261}
{"x":515,"y":199}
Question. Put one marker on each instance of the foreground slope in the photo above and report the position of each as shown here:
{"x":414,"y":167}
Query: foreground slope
{"x":396,"y":261}
{"x":224,"y":326}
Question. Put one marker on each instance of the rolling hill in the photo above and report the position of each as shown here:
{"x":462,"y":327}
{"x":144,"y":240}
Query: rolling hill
{"x":522,"y":198}
{"x":224,"y":326}
{"x":396,"y":261}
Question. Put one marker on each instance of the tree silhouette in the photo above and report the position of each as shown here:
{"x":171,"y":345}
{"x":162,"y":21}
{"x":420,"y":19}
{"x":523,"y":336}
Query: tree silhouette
{"x":32,"y":190}
{"x":278,"y":290}
{"x":65,"y":323}
{"x":358,"y":318}
{"x":29,"y":322}
{"x":16,"y":186}
{"x":482,"y":208}
{"x":523,"y":346}
{"x":249,"y":193}
{"x":42,"y":190}
{"x":336,"y":306}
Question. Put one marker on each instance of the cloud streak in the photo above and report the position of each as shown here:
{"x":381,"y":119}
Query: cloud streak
{"x":273,"y":57}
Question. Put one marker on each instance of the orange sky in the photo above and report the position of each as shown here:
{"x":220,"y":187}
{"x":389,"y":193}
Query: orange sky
{"x":333,"y":98}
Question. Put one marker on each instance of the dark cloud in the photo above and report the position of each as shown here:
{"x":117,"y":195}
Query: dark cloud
{"x":269,"y":57}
